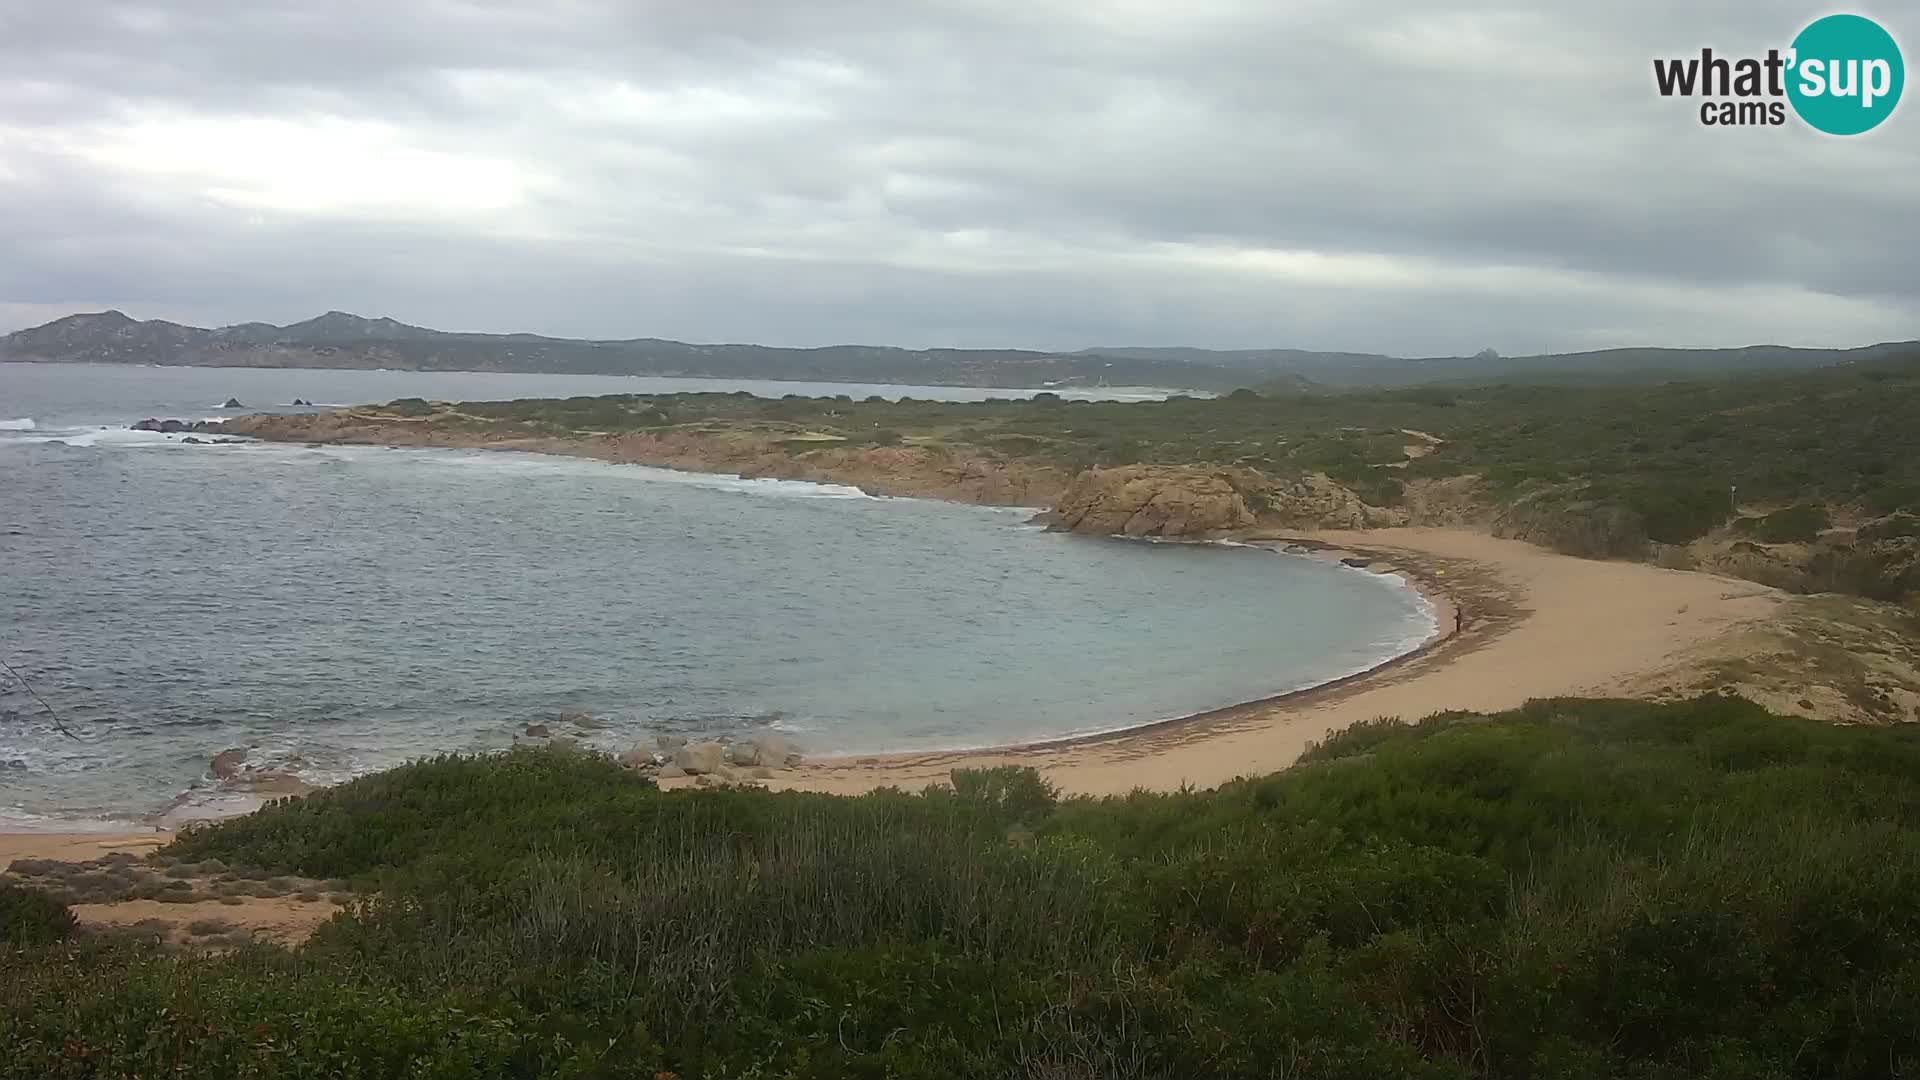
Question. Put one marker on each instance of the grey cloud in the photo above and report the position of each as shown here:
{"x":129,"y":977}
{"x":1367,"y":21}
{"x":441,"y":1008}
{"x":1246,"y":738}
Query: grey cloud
{"x":941,"y":172}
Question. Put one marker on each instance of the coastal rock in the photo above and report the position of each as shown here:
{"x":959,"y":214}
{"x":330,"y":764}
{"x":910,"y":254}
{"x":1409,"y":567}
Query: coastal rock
{"x":228,"y":764}
{"x":769,"y":750}
{"x":149,"y":424}
{"x":636,"y":758}
{"x":191,"y":441}
{"x":670,"y":772}
{"x":1151,"y":500}
{"x":669,"y":743}
{"x":233,"y":403}
{"x":700,"y":757}
{"x":538,"y":731}
{"x":1317,"y":501}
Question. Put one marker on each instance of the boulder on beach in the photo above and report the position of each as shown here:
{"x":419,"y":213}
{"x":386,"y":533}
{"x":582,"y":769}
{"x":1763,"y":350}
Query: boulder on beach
{"x":537,"y":731}
{"x":636,"y":758}
{"x":770,"y":750}
{"x":227,"y":764}
{"x":700,"y":757}
{"x":669,"y":743}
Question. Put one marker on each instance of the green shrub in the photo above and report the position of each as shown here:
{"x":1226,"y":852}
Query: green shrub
{"x":32,"y":917}
{"x":1796,"y":524}
{"x":1575,"y":888}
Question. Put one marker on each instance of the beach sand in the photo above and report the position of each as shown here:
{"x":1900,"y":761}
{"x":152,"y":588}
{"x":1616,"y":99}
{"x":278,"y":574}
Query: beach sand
{"x":285,"y":919}
{"x":1533,"y":624}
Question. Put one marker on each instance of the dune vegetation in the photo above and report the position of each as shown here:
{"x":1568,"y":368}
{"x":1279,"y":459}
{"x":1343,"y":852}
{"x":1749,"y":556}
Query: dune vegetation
{"x":1574,"y":889}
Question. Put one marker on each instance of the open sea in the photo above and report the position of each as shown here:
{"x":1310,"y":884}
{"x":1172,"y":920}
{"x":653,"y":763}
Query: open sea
{"x":337,"y":610}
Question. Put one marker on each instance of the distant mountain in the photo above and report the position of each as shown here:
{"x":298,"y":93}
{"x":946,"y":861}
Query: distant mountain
{"x":1275,"y":367}
{"x":341,"y":340}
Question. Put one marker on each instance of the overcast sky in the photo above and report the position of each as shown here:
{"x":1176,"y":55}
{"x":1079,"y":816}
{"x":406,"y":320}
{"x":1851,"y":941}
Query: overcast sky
{"x":1327,"y":174}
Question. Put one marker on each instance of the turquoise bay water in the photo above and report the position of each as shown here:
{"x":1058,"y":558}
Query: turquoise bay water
{"x":336,"y":610}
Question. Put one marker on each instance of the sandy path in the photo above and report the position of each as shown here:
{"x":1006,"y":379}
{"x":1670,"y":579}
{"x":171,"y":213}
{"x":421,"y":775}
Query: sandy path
{"x":279,"y":918}
{"x":1535,"y":624}
{"x":77,"y":847}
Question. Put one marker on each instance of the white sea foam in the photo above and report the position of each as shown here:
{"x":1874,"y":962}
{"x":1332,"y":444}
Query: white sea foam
{"x":25,"y":423}
{"x":560,"y":465}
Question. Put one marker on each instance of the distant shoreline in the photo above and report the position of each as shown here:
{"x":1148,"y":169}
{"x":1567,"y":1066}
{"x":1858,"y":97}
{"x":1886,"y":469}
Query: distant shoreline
{"x":1128,"y":392}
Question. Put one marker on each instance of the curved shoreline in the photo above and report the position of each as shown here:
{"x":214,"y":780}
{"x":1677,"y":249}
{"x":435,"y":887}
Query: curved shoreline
{"x":1431,"y":561}
{"x":1523,"y":635}
{"x":1444,"y":610}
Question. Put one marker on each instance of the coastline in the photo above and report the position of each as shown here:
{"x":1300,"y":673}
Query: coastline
{"x":1535,"y":625}
{"x":1489,"y":598}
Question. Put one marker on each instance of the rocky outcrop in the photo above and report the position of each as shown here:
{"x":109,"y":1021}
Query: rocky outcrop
{"x":1150,"y":500}
{"x":1316,"y":501}
{"x":766,"y":750}
{"x":701,"y":757}
{"x":228,"y":764}
{"x":1192,"y":501}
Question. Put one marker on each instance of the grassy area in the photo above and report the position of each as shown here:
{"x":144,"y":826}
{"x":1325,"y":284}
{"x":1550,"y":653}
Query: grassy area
{"x":1574,"y":889}
{"x":1667,"y":455}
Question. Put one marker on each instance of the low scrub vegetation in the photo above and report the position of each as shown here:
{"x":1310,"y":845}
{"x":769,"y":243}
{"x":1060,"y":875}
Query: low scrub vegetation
{"x":1575,"y":889}
{"x":1634,"y":464}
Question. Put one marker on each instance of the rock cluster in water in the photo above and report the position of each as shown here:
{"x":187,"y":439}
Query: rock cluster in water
{"x":176,"y":427}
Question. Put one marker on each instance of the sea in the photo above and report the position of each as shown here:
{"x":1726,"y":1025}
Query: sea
{"x":331,"y":611}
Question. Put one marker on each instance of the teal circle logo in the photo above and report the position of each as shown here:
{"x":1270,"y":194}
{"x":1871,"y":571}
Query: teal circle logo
{"x":1846,"y":74}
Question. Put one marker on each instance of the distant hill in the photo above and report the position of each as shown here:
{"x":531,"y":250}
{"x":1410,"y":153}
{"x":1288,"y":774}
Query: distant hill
{"x":341,"y":340}
{"x":1276,"y":367}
